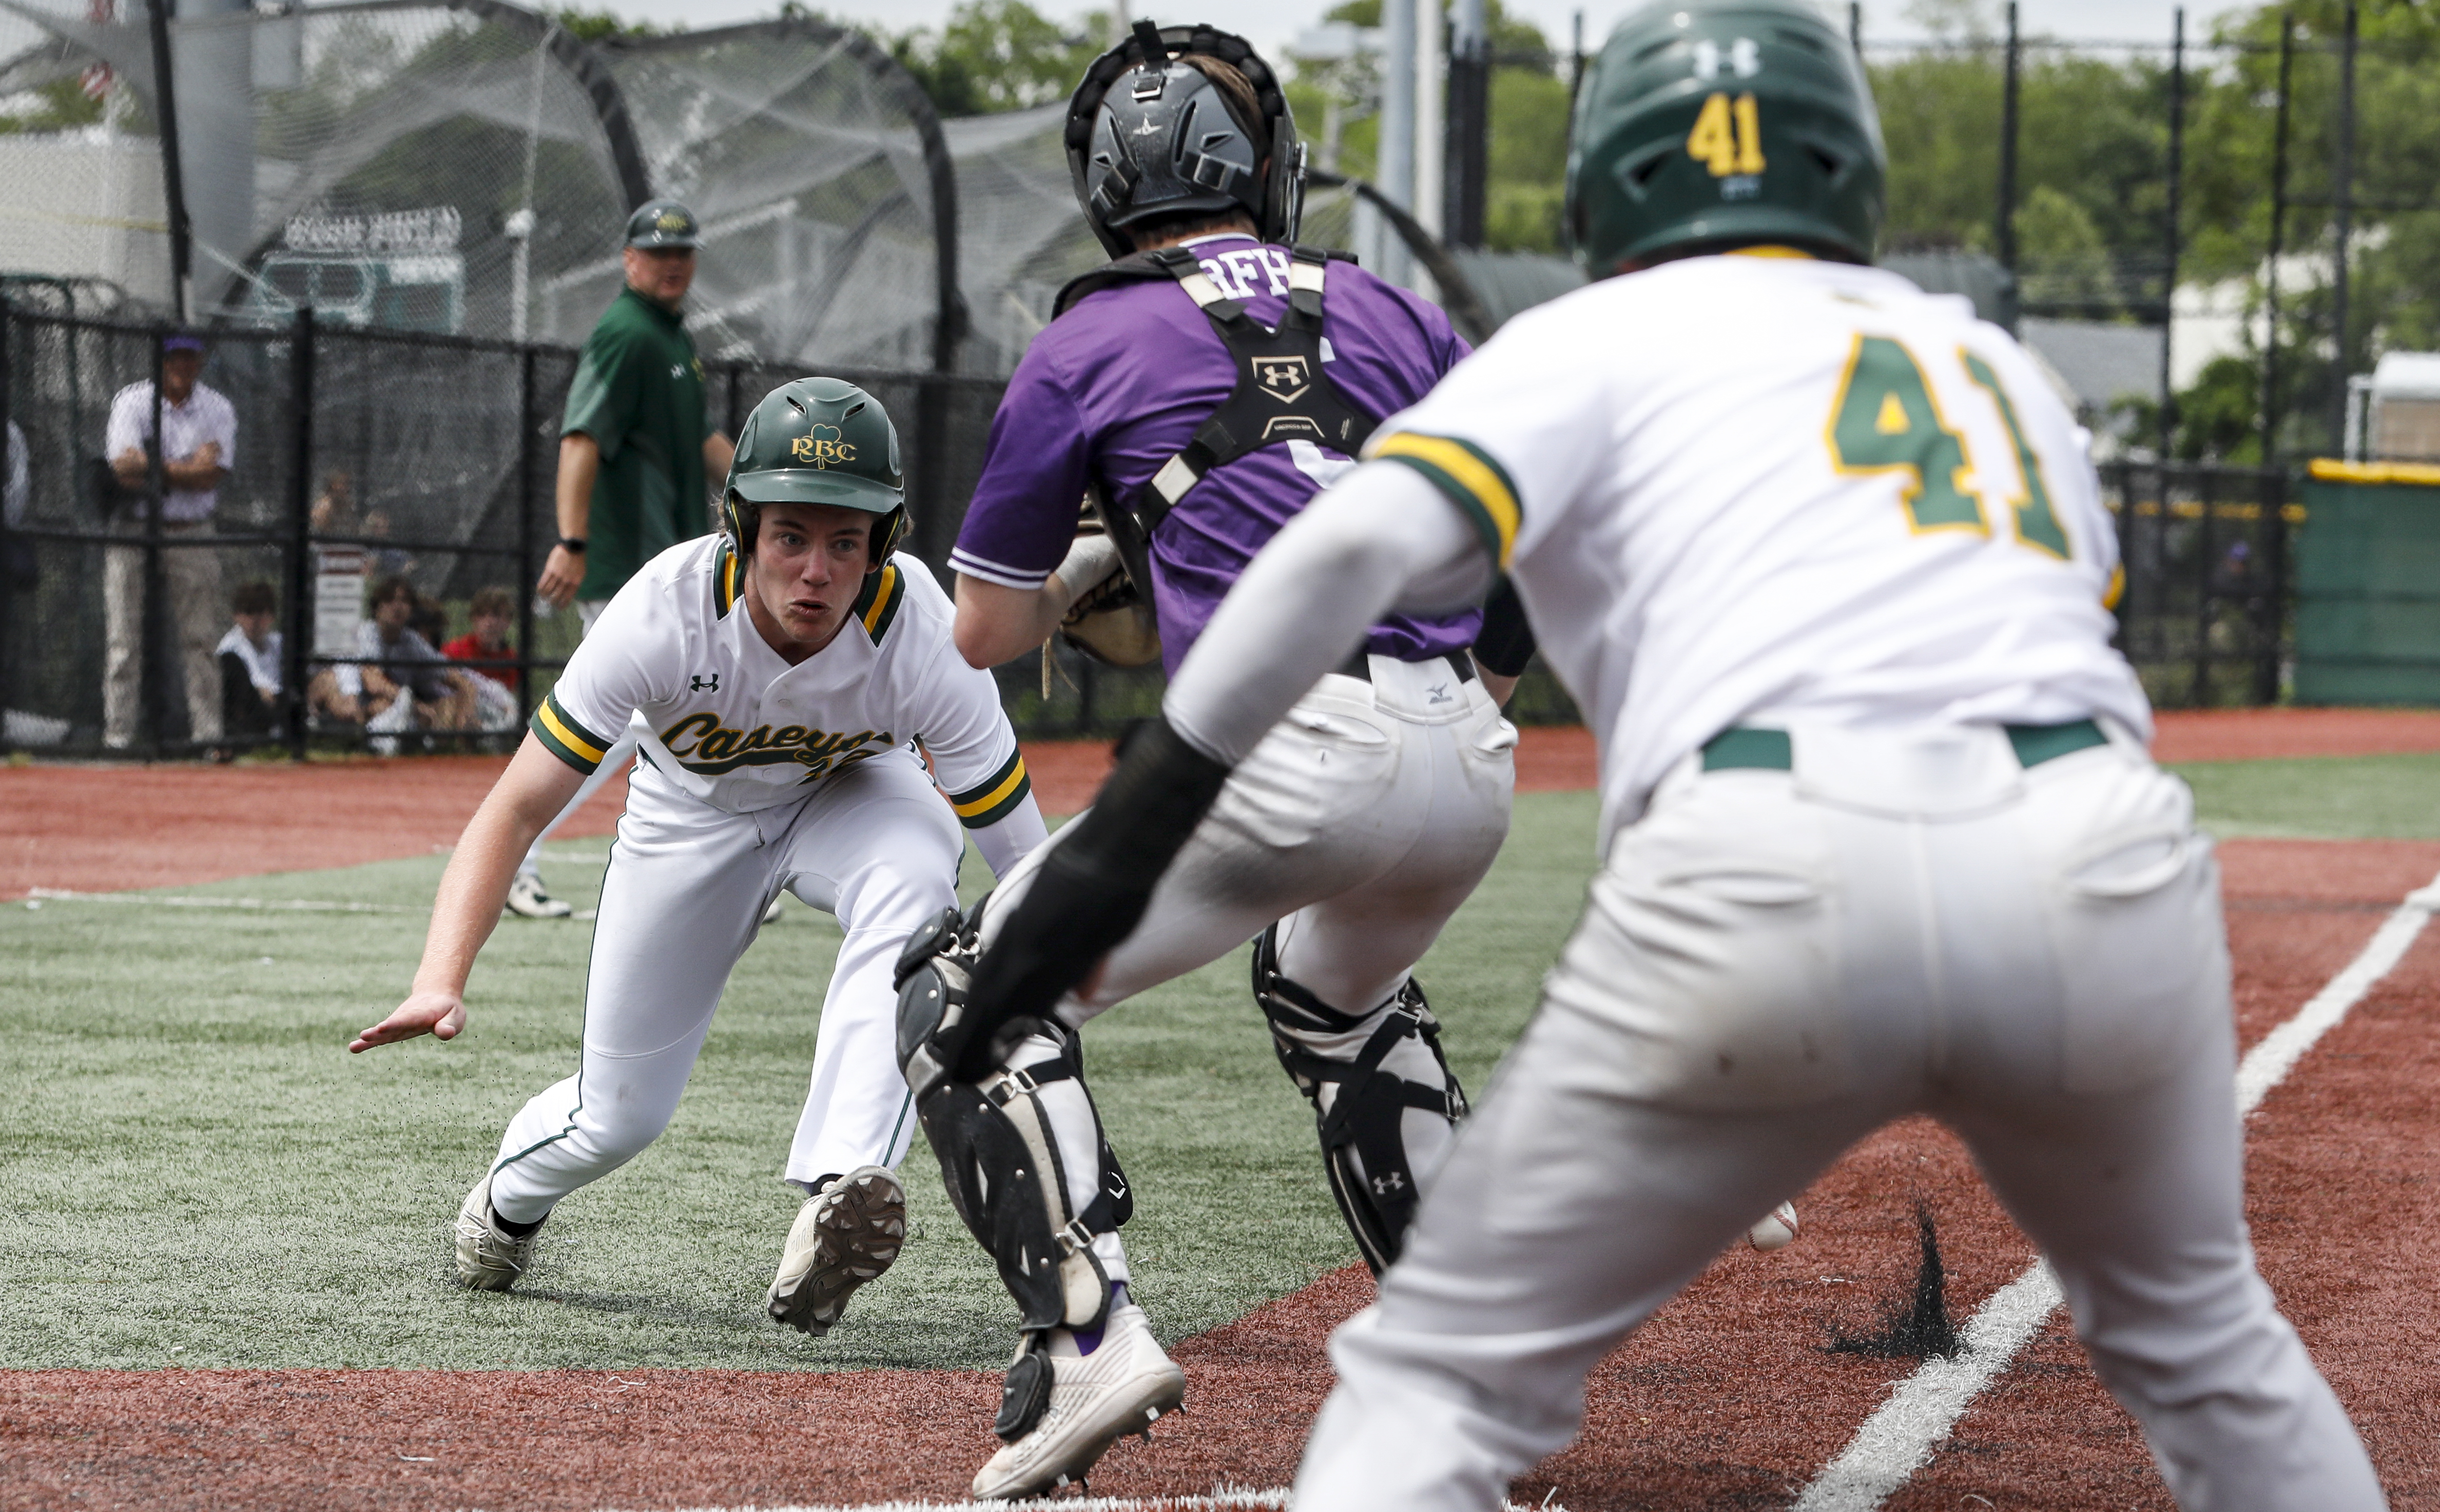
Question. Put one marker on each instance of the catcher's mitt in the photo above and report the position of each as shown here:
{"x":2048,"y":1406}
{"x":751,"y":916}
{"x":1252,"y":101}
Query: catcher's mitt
{"x":1111,"y":620}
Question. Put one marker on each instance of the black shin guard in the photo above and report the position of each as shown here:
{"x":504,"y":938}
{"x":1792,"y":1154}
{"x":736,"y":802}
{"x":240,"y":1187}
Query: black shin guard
{"x":1363,"y":1145}
{"x":1000,"y":1163}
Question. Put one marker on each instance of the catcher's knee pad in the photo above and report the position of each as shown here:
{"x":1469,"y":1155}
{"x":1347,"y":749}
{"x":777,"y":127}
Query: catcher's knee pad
{"x":1360,"y":1101}
{"x":999,"y":1155}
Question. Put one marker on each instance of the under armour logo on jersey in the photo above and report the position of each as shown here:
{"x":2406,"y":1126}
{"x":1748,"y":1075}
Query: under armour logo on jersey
{"x":1384,"y":1185}
{"x":1440,"y":694}
{"x":697,"y":683}
{"x":677,"y":370}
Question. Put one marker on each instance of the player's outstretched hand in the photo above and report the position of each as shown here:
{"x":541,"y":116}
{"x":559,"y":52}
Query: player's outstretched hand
{"x":437,"y":1014}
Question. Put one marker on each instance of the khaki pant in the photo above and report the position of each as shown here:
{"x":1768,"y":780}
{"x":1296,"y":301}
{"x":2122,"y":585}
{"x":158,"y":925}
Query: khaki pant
{"x":197,"y":614}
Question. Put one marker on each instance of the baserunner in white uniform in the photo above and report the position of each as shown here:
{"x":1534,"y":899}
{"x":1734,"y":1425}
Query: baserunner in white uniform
{"x":1825,"y":565}
{"x":791,"y":671}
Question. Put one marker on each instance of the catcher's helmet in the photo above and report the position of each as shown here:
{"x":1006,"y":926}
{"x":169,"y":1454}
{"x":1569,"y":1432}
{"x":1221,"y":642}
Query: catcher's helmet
{"x":817,"y":440}
{"x":1721,"y":122}
{"x":1148,"y":135}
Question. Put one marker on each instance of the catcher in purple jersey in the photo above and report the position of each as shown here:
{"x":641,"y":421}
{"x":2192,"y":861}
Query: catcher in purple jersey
{"x":1201,"y":389}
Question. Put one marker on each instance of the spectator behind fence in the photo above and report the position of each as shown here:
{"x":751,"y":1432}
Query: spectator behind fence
{"x":250,"y":664}
{"x":399,"y":683}
{"x":24,"y":567}
{"x":198,"y":447}
{"x":334,"y":507}
{"x":495,"y":688}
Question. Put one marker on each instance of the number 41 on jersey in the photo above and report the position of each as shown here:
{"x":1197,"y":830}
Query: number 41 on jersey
{"x":1886,"y":421}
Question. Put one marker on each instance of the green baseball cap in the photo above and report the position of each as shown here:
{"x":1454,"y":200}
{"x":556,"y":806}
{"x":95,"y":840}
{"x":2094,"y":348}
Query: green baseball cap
{"x":663,"y":223}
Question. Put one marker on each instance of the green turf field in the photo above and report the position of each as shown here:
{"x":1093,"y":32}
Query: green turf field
{"x":2347,"y":797}
{"x":197,"y":1173}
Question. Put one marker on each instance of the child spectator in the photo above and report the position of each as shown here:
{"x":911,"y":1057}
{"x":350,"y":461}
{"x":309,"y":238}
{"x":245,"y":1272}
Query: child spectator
{"x":399,"y":683}
{"x":250,"y":664}
{"x":496,"y":697}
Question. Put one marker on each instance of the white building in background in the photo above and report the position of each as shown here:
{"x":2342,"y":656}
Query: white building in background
{"x":85,"y":204}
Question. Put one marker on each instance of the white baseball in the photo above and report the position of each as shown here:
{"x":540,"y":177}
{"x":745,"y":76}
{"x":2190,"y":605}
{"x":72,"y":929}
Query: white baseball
{"x":1776,"y":1231}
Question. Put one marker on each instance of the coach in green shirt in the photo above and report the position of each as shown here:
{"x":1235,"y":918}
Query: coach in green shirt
{"x":635,"y":449}
{"x":635,"y":446}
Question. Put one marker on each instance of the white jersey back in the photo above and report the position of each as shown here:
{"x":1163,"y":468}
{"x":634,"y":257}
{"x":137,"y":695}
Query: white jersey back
{"x":727,"y":721}
{"x":1770,"y":490}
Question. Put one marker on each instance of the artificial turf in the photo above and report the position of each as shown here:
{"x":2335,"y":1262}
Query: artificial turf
{"x":197,"y":1173}
{"x":2339,"y":797}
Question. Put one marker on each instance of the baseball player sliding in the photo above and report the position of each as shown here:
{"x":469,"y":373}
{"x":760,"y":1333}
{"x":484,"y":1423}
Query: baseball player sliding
{"x":785,"y":669}
{"x":1826,"y":563}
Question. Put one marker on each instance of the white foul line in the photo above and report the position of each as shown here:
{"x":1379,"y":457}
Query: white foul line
{"x":1896,"y":1440}
{"x":163,"y":900}
{"x":1219,"y":1501}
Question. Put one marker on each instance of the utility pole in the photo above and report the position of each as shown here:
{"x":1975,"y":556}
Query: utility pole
{"x":1431,"y":139}
{"x":1396,"y":167}
{"x":2278,"y":243}
{"x":1469,"y":124}
{"x":2342,"y":203}
{"x":174,"y":178}
{"x":2006,"y":237}
{"x":2169,"y":275}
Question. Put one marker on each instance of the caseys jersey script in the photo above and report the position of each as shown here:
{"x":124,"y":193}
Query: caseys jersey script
{"x":726,"y":720}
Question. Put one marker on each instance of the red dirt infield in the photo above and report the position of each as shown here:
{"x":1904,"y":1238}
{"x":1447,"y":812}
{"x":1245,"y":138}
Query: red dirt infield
{"x":1727,"y":1399}
{"x":103,"y":827}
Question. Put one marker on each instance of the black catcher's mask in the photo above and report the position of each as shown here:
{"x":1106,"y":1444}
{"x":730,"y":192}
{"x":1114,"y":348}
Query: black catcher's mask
{"x":1150,"y":137}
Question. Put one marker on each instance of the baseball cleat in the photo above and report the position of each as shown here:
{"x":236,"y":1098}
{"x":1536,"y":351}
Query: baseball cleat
{"x":1777,"y":1229}
{"x":844,"y":1236}
{"x":488,"y":1258}
{"x":527,"y":900}
{"x":1097,"y":1400}
{"x":771,"y":913}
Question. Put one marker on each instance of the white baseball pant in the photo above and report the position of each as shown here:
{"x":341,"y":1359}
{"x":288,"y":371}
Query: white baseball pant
{"x":1361,"y":823}
{"x":683,"y":897}
{"x":1772,"y":966}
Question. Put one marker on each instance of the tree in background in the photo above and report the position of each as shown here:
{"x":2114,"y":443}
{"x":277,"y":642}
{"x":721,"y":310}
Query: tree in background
{"x":1528,"y":124}
{"x":996,"y":55}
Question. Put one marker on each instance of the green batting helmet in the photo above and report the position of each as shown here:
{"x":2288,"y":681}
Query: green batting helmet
{"x":1722,"y":122}
{"x":817,"y":440}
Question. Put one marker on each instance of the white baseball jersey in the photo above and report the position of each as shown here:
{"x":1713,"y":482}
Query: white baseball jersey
{"x":1896,"y":467}
{"x":729,"y":723}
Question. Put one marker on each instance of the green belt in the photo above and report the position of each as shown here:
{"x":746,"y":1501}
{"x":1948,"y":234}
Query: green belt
{"x":1770,"y":750}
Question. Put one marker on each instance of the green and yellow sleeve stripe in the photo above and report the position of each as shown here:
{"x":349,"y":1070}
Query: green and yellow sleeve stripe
{"x":991,"y":800}
{"x":1476,"y":484}
{"x":567,"y":739}
{"x":877,"y":605}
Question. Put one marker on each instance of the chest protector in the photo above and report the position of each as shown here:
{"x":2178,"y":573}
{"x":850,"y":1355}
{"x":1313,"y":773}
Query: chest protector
{"x":1283,"y":391}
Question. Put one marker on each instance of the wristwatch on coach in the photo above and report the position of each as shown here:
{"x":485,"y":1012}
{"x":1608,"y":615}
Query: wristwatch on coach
{"x":572,"y":545}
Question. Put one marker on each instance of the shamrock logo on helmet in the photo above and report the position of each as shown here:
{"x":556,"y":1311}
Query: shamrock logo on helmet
{"x":821,"y":446}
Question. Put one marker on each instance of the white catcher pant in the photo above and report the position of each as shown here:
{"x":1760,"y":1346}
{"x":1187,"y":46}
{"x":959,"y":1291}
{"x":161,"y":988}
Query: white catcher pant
{"x":1773,"y":965}
{"x":682,"y":899}
{"x":1359,"y":824}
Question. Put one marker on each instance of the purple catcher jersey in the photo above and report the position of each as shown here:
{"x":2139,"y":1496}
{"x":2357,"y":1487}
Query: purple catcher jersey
{"x":1116,"y":386}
